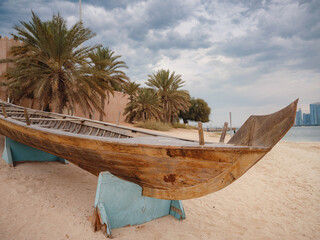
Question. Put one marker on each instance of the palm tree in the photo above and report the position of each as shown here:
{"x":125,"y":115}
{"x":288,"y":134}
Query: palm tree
{"x":179,"y":101}
{"x":46,"y":65}
{"x":144,"y":107}
{"x":167,"y":87}
{"x":131,"y":89}
{"x":104,"y":69}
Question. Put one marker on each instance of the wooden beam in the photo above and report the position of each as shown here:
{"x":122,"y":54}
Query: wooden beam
{"x":26,"y":116}
{"x":49,"y":119}
{"x":4,"y":111}
{"x":84,"y":121}
{"x":224,"y":131}
{"x":201,"y":137}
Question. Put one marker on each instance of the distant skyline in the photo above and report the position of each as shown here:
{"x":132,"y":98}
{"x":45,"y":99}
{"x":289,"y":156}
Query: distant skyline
{"x":244,"y":57}
{"x":310,"y":118}
{"x":305,"y":108}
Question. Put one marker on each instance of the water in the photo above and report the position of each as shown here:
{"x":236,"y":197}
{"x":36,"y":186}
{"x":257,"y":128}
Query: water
{"x":303,"y":134}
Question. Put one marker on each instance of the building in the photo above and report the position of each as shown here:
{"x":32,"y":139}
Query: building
{"x":5,"y":45}
{"x":306,"y":119}
{"x":298,"y":118}
{"x":315,"y":114}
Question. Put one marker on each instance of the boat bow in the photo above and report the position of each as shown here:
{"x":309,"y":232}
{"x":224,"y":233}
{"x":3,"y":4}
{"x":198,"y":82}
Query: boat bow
{"x":265,"y":130}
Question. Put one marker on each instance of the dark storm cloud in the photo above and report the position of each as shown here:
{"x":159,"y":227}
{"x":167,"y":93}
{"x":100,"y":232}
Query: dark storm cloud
{"x":166,"y":13}
{"x":174,"y":40}
{"x":155,"y":15}
{"x":231,"y":53}
{"x":111,"y":4}
{"x":284,"y":33}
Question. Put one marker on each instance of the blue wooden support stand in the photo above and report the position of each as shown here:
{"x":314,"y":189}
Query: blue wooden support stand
{"x":14,"y":152}
{"x":119,"y":203}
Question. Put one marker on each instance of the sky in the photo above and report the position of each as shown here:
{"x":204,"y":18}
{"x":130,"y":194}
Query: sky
{"x":246,"y":57}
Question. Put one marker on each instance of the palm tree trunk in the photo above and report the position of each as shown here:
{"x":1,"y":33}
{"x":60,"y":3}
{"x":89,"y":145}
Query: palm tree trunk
{"x":143,"y":116}
{"x":60,"y":106}
{"x":167,"y":116}
{"x":59,"y":102}
{"x":61,"y":95}
{"x":164,"y":106}
{"x":32,"y":103}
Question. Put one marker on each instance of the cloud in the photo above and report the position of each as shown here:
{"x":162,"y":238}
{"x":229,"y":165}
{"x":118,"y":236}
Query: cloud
{"x":247,"y":57}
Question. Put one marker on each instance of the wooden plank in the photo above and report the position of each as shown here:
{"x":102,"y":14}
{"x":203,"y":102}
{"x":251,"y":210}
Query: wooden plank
{"x":97,"y":133}
{"x":73,"y":127}
{"x":177,"y":210}
{"x":201,"y":137}
{"x":26,"y":116}
{"x":64,"y":123}
{"x":95,"y":220}
{"x":102,"y":125}
{"x":44,"y":125}
{"x":223,"y":133}
{"x":251,"y":133}
{"x":4,"y":111}
{"x":90,"y":131}
{"x":81,"y":126}
{"x":59,"y":124}
{"x":54,"y":125}
{"x":48,"y":119}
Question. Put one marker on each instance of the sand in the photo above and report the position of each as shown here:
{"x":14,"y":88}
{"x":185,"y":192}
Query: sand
{"x":276,"y":199}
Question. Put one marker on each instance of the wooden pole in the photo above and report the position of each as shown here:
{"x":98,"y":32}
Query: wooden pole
{"x":201,"y":137}
{"x":4,"y":111}
{"x":26,"y":117}
{"x":224,"y":131}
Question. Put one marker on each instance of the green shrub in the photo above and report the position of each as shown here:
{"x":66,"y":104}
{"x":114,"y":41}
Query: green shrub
{"x":184,"y":126}
{"x":154,"y":125}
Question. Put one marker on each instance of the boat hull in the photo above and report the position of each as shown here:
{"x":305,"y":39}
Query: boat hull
{"x":165,"y":167}
{"x":164,"y":172}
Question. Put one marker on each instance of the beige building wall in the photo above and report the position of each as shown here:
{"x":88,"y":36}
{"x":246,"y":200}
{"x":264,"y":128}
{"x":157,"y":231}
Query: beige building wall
{"x":5,"y":45}
{"x":114,"y":107}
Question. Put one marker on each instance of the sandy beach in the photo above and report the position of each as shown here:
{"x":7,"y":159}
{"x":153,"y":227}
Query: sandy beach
{"x":276,"y":199}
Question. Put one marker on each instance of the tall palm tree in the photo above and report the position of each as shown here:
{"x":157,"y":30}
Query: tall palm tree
{"x":46,"y":65}
{"x":104,"y":68}
{"x":179,"y":101}
{"x":144,"y":107}
{"x":131,"y":89}
{"x":167,"y":87}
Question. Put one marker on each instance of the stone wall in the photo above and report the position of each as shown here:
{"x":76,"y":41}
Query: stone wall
{"x":114,"y":107}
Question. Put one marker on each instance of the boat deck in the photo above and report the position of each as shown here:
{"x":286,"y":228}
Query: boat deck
{"x":68,"y":124}
{"x":87,"y":128}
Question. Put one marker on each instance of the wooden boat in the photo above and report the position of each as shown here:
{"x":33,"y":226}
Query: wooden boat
{"x":165,"y":167}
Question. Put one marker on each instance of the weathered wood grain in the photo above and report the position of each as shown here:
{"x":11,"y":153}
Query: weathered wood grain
{"x":26,"y":116}
{"x":201,"y":136}
{"x":265,"y":130}
{"x":4,"y":111}
{"x":223,"y":133}
{"x":165,"y":169}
